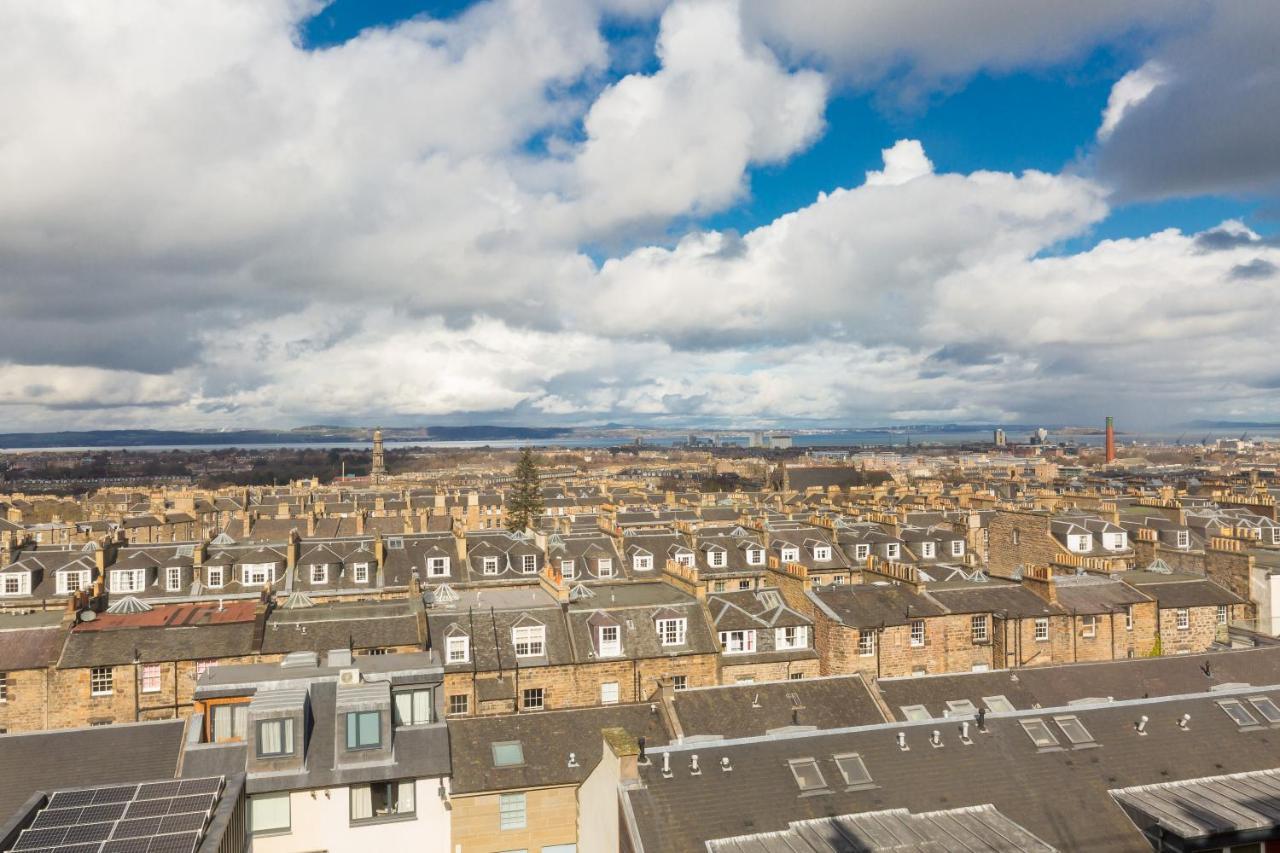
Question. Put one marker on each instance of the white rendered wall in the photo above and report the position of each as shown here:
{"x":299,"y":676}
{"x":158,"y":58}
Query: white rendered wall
{"x":325,"y":824}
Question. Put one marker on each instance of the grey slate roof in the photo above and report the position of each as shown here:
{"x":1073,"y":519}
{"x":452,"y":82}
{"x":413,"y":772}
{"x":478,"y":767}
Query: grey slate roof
{"x":873,"y":605}
{"x":746,"y":710}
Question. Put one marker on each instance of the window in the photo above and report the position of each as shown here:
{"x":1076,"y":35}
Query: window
{"x":915,"y":713}
{"x":1238,"y":712}
{"x":151,"y":678}
{"x":853,"y":769}
{"x":755,"y":556}
{"x":1184,"y":539}
{"x":412,"y":707}
{"x":892,"y":550}
{"x":4,"y":687}
{"x":395,"y":543}
{"x":807,"y":774}
{"x":69,"y":582}
{"x":790,"y":555}
{"x":203,"y":666}
{"x":642,"y":562}
{"x":609,"y":693}
{"x":718,"y":586}
{"x":978,"y":628}
{"x":529,"y":564}
{"x":567,"y":569}
{"x":1074,"y":730}
{"x":997,"y":704}
{"x":380,"y":800}
{"x":1089,"y":626}
{"x":604,"y":568}
{"x":275,"y":737}
{"x":216,"y":577}
{"x":957,"y":547}
{"x":679,"y":682}
{"x":1128,"y":617}
{"x":917,"y":632}
{"x":866,"y":643}
{"x":796,"y":676}
{"x":269,"y":812}
{"x":671,"y":632}
{"x":928,"y":549}
{"x":507,"y":753}
{"x":1224,"y":614}
{"x":738,"y":642}
{"x":437,"y":567}
{"x":364,"y":730}
{"x":229,"y":722}
{"x":685,"y":558}
{"x":862,"y":552}
{"x":1039,"y":733}
{"x":256,"y":574}
{"x":101,"y":681}
{"x":361,"y":573}
{"x":839,"y":580}
{"x":457,"y":649}
{"x":795,"y":637}
{"x":511,"y":811}
{"x":173,"y":578}
{"x":320,"y":574}
{"x":1042,"y":629}
{"x":716,"y":558}
{"x":1184,"y":619}
{"x":1017,"y":535}
{"x":529,"y":640}
{"x":459,"y":703}
{"x":531,"y":699}
{"x":489,"y":565}
{"x":822,"y":553}
{"x":1267,"y":708}
{"x":610,"y":641}
{"x":744,"y":584}
{"x":128,"y":580}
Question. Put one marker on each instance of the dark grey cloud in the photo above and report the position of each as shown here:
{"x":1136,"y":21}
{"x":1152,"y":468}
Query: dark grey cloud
{"x":1257,"y":268}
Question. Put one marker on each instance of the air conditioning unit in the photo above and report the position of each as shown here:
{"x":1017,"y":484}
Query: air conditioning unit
{"x":349,"y":677}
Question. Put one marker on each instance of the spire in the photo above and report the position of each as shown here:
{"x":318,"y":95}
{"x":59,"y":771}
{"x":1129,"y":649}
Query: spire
{"x":378,"y":472}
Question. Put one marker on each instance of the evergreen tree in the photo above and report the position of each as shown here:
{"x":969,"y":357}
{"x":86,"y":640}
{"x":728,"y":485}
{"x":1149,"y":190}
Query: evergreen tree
{"x":524,"y":504}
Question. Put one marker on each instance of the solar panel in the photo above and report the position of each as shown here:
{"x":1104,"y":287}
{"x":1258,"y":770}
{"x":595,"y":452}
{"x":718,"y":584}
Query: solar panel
{"x":56,"y":817}
{"x":122,"y":794}
{"x":70,"y":799}
{"x":140,"y":827}
{"x":92,"y":847}
{"x":194,"y":803}
{"x":34,"y":839}
{"x":86,"y":832}
{"x":127,"y":845}
{"x":147,"y":808}
{"x":182,"y":842}
{"x":108,"y":811}
{"x":211,"y":785}
{"x":156,"y":790}
{"x":182,"y":822}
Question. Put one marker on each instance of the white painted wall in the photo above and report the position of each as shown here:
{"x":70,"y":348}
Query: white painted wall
{"x":598,"y":805}
{"x":324,"y":823}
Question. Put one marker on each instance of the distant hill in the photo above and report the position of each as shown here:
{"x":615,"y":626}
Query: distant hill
{"x":306,"y":435}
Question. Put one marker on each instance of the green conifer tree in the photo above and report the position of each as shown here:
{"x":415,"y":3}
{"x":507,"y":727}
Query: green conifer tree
{"x":524,"y":504}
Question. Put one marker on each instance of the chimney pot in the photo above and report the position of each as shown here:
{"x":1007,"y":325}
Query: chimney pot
{"x":1142,"y":725}
{"x":694,"y":770}
{"x":902,"y":741}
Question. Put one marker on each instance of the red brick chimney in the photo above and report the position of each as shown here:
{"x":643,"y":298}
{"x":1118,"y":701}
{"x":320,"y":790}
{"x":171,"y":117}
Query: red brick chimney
{"x":1111,"y":440}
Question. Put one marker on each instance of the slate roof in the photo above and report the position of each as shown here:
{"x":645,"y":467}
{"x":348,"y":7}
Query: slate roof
{"x":29,"y":644}
{"x":992,"y":596}
{"x":748,"y":710}
{"x":1095,"y":594}
{"x":873,"y":605}
{"x":546,"y":738}
{"x":366,"y":624}
{"x":1180,"y":589}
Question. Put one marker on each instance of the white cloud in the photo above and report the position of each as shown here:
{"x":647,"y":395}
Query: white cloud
{"x":1129,"y":91}
{"x":903,"y":162}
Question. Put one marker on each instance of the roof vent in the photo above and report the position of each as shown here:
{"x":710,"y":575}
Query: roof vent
{"x":573,"y":760}
{"x":297,"y":660}
{"x":1141,"y":726}
{"x":128,"y":604}
{"x":297,"y":600}
{"x":1184,"y":722}
{"x":694,"y":769}
{"x":338,"y":658}
{"x":902,"y":742}
{"x":725,"y":765}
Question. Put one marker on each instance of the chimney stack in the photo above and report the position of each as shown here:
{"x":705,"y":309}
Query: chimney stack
{"x":1111,"y":440}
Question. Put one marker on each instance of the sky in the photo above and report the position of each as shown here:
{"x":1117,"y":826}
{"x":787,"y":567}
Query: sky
{"x":272,"y":213}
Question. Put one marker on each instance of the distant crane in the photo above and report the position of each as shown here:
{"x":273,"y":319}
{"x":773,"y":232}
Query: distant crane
{"x":1244,"y":436}
{"x":1204,"y":442}
{"x":1178,"y":443}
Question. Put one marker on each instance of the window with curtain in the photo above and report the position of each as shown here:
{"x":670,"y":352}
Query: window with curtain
{"x":381,"y":800}
{"x":269,"y":812}
{"x":413,"y":707}
{"x":511,"y":813}
{"x":229,"y":721}
{"x":275,"y":737}
{"x":363,"y":730}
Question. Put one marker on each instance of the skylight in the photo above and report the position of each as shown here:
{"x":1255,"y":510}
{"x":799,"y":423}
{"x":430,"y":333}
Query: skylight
{"x":1238,"y":712}
{"x":961,"y":706}
{"x":808,"y":775}
{"x":916,"y":712}
{"x":997,"y":704}
{"x":1074,"y":729}
{"x":1039,"y":733}
{"x":1267,"y":708}
{"x":508,"y":753}
{"x":853,"y":769}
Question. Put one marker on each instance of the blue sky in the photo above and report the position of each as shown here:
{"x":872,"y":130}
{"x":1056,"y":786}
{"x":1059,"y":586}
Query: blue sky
{"x":677,"y":212}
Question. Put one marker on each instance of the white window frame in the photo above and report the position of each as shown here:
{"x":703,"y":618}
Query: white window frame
{"x":610,"y":647}
{"x":957,"y":547}
{"x":674,"y":629}
{"x":755,"y":556}
{"x":1184,"y":539}
{"x":529,"y":564}
{"x":82,"y":581}
{"x":512,"y":812}
{"x":170,"y":573}
{"x":257,"y":574}
{"x":917,"y":633}
{"x":979,"y":628}
{"x":716,"y":558}
{"x":604,"y":567}
{"x":928,"y":549}
{"x":892,"y":551}
{"x":738,"y":642}
{"x":609,"y":693}
{"x":1089,"y":626}
{"x":219,"y":572}
{"x":791,"y":637}
{"x":1128,"y":617}
{"x":790,"y":554}
{"x":642,"y":562}
{"x":1041,"y":628}
{"x":531,"y":638}
{"x":1183,"y":617}
{"x":457,"y":649}
{"x":861,"y":551}
{"x":360,"y":573}
{"x":1224,"y":614}
{"x":489,"y":565}
{"x":1113,"y":541}
{"x":866,"y":643}
{"x":568,"y":569}
{"x":137,"y":580}
{"x":319,"y":573}
{"x":822,"y":553}
{"x":102,"y":681}
{"x":437,"y":567}
{"x":151,"y":678}
{"x":685,"y":558}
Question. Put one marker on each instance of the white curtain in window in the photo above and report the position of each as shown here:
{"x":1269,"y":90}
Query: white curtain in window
{"x":404,"y":709}
{"x":221,"y":722}
{"x":361,"y":802}
{"x":404,"y":798}
{"x":240,"y":719}
{"x":422,"y":706}
{"x":269,"y":811}
{"x":270,"y":736}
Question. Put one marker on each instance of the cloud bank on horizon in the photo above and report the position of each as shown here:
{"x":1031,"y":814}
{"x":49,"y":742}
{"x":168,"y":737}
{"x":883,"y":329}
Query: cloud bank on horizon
{"x":502,"y":215}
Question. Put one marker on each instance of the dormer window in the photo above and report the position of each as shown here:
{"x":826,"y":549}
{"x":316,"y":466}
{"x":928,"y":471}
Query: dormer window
{"x":128,"y":580}
{"x":1080,"y":543}
{"x":16,"y":583}
{"x":685,"y":558}
{"x":604,"y":568}
{"x":275,"y":738}
{"x":256,"y":574}
{"x":610,"y":639}
{"x":892,"y":550}
{"x":957,"y":547}
{"x":457,"y":649}
{"x":489,"y":565}
{"x":173,"y":578}
{"x":529,"y":564}
{"x":928,"y":549}
{"x":642,"y":562}
{"x":861,"y":552}
{"x":361,"y":572}
{"x":822,"y":553}
{"x":1184,"y":538}
{"x":364,"y":730}
{"x":716,"y":558}
{"x":738,"y":642}
{"x":567,"y":569}
{"x":69,"y":582}
{"x":790,"y":554}
{"x":795,"y":637}
{"x":320,"y":574}
{"x":216,"y":576}
{"x":672,"y":632}
{"x":1114,"y":541}
{"x":437,"y":567}
{"x":755,"y":556}
{"x":529,"y":640}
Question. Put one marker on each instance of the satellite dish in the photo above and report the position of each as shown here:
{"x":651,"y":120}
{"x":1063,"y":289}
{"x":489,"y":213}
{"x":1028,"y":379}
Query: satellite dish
{"x":88,"y":616}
